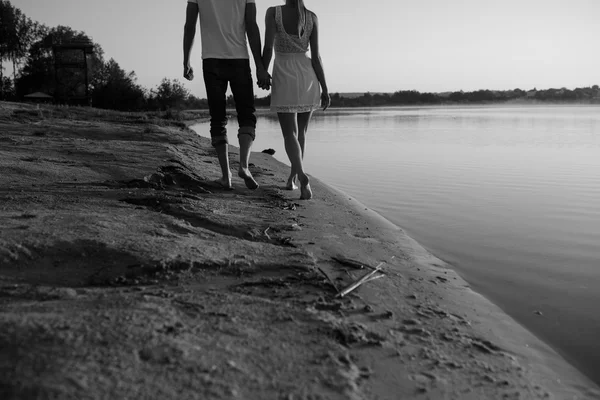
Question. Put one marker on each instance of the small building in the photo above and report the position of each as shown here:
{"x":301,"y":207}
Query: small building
{"x":39,"y":97}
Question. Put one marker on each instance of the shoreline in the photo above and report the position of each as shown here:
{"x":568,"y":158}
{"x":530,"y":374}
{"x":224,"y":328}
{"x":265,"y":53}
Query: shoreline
{"x":545,"y":352}
{"x":556,"y":352}
{"x":566,"y":322}
{"x":124,"y":269}
{"x":509,"y":333}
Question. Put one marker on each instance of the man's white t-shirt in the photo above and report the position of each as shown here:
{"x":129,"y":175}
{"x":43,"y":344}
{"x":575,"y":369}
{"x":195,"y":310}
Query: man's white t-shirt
{"x":223,"y":28}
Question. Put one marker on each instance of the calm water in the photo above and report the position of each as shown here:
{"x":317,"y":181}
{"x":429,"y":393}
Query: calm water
{"x":510,"y":196}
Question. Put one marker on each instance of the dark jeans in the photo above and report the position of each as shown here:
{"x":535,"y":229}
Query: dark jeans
{"x":217,"y":74}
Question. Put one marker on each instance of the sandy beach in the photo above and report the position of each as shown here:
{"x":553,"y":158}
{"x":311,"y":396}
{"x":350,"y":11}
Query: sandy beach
{"x":126,"y":272}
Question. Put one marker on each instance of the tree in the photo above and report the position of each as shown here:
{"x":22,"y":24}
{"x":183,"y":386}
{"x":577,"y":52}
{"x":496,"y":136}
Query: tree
{"x":170,"y":94}
{"x":6,"y":34}
{"x":6,"y":88}
{"x":17,"y":34}
{"x":230,"y":101}
{"x":22,"y":39}
{"x":38,"y":73}
{"x":457,"y":96}
{"x":194,"y":102}
{"x":116,"y":89}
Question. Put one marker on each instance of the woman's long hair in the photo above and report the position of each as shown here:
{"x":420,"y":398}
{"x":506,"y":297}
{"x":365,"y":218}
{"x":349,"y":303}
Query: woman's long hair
{"x":301,"y":15}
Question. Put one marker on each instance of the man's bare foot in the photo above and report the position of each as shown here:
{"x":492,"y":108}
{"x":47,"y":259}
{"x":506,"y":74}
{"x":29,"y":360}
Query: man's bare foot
{"x":305,"y":190}
{"x":291,"y":183}
{"x":245,"y":174}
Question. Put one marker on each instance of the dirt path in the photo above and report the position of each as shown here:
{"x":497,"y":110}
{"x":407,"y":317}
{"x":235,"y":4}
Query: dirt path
{"x":126,"y":273}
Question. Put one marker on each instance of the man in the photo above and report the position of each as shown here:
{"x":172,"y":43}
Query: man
{"x":224,"y":25}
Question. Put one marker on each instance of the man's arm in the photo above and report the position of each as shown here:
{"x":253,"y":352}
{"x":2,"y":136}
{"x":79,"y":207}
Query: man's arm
{"x":189,"y":32}
{"x":264,"y":79}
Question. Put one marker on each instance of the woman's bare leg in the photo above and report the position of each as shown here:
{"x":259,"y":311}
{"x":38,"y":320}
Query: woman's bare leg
{"x":303,"y":121}
{"x":289,"y":128}
{"x":291,"y":182}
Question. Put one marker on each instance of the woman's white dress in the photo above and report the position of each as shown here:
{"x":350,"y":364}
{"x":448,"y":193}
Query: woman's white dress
{"x":295,"y":87}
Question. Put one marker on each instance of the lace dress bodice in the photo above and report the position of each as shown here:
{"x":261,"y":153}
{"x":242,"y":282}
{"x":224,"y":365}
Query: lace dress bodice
{"x":285,"y":43}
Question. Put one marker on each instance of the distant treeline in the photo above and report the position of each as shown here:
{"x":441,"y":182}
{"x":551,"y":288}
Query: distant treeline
{"x":413,"y":97}
{"x":28,"y":46}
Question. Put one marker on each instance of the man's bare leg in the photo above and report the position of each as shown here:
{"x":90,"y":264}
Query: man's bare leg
{"x":244,"y":173}
{"x":223,"y":156}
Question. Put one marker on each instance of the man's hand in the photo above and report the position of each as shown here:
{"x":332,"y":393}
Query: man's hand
{"x":264,"y":79}
{"x":188,"y":73}
{"x":325,"y":100}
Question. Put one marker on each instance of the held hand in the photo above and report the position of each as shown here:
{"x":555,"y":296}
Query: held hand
{"x":188,"y":73}
{"x":264,"y":84}
{"x":264,"y":79}
{"x":325,"y":100}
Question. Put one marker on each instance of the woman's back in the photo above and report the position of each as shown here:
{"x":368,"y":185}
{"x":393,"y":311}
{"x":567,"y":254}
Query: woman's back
{"x":289,"y":16}
{"x":287,"y":38}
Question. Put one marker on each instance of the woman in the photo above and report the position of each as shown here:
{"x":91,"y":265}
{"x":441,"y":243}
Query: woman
{"x":295,"y":93}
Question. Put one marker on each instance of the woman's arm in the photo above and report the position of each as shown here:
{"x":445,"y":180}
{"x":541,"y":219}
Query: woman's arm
{"x":270,"y":28}
{"x":317,"y":63}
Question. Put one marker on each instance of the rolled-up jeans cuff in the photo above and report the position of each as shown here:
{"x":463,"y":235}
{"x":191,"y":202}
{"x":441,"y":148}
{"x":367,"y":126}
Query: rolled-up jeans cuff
{"x":247,"y":130}
{"x":219,"y":140}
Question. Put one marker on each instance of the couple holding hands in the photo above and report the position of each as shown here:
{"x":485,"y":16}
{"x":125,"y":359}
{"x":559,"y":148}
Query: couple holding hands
{"x":297,"y":86}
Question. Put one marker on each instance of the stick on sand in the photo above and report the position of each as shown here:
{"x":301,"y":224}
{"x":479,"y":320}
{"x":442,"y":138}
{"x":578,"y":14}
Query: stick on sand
{"x":366,"y":278}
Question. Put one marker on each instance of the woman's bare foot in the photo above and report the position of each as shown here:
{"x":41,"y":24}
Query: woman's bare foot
{"x":225,"y":182}
{"x":305,"y":190}
{"x":245,"y":174}
{"x":291,"y":183}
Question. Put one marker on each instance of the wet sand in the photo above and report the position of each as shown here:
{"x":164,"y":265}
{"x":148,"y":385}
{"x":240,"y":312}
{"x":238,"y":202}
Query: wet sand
{"x":126,"y":272}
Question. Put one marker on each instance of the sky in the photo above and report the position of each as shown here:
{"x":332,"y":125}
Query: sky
{"x":370,"y":45}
